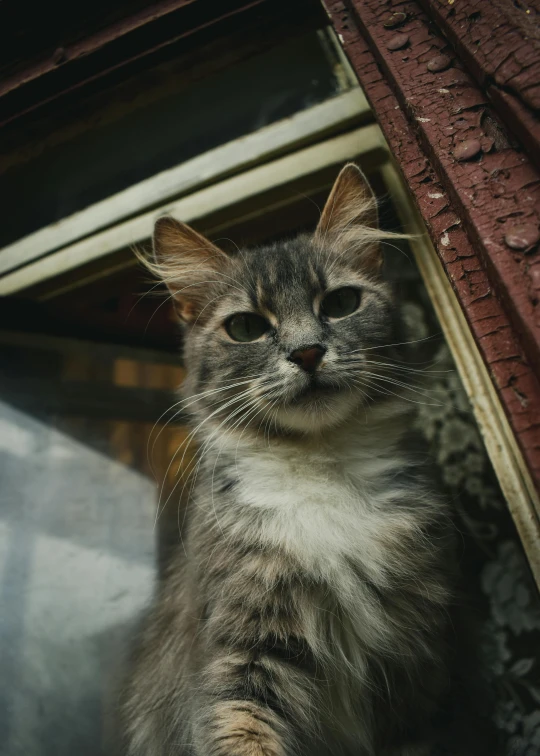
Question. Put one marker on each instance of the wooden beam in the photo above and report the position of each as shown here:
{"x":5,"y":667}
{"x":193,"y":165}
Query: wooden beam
{"x":501,"y":445}
{"x":499,"y":43}
{"x":458,"y":200}
{"x":491,"y":186}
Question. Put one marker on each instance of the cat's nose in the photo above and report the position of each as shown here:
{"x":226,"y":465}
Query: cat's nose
{"x":308,"y":358}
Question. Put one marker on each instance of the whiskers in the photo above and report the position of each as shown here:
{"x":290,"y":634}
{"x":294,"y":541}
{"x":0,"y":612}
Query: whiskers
{"x":431,"y":337}
{"x":392,"y":378}
{"x":182,"y":405}
{"x":225,"y":414}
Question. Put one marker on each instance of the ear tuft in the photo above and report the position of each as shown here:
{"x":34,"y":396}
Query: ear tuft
{"x":187,"y":263}
{"x":166,"y":231}
{"x":350,"y":218}
{"x":351,"y":200}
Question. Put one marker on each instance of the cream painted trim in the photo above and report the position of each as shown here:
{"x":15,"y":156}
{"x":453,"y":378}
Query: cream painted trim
{"x":233,"y":219}
{"x":301,"y":163}
{"x":504,"y":453}
{"x":289,"y":134}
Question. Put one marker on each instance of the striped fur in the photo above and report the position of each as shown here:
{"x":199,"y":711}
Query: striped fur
{"x":309,"y":611}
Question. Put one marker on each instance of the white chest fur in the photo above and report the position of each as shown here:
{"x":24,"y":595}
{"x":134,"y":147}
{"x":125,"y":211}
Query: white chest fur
{"x":339,"y":509}
{"x":327,"y":505}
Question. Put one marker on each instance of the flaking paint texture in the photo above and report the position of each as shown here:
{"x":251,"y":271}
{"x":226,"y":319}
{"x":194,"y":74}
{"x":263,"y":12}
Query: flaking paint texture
{"x":468,"y":205}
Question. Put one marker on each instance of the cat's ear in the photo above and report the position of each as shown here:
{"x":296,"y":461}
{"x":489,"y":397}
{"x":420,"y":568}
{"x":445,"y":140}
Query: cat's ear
{"x":349,"y":220}
{"x":188,"y":263}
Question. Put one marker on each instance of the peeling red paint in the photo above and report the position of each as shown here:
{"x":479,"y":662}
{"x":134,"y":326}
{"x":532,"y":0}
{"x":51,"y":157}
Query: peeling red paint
{"x":468,"y":207}
{"x":499,"y":42}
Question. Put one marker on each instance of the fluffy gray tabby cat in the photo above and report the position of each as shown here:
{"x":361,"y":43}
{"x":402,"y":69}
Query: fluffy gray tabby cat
{"x":310,"y":610}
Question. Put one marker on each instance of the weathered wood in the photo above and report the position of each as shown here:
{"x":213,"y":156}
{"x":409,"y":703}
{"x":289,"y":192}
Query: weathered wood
{"x":508,"y":462}
{"x":492,"y":186}
{"x":499,"y":43}
{"x":502,"y":39}
{"x":468,"y":207}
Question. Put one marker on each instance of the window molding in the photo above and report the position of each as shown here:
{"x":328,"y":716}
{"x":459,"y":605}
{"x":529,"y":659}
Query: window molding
{"x":307,"y":126}
{"x":334,"y":151}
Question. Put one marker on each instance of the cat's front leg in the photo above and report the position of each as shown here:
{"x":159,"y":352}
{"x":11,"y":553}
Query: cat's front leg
{"x":240,"y":728}
{"x":254,"y":704}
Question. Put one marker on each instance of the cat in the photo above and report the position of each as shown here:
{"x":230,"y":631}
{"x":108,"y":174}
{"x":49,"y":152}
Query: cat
{"x":310,"y":611}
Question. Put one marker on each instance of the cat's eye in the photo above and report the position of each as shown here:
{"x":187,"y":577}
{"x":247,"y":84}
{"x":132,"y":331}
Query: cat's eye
{"x":246,"y":326}
{"x":341,"y":302}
